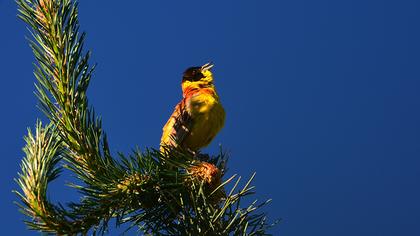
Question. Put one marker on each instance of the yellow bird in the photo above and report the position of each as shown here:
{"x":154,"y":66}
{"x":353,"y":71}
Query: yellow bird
{"x":199,"y":116}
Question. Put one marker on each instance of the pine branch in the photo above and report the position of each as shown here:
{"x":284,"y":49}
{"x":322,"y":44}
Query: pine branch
{"x":163,"y":193}
{"x":64,"y":75}
{"x":43,"y":151}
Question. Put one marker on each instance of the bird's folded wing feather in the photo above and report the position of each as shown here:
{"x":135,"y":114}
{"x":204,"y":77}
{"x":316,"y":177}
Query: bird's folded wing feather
{"x":178,"y":126}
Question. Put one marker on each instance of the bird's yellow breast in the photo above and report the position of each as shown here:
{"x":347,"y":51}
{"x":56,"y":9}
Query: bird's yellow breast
{"x":208,"y":118}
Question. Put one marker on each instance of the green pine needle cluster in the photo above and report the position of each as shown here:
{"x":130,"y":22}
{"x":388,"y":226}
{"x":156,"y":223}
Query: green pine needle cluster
{"x":159,"y":193}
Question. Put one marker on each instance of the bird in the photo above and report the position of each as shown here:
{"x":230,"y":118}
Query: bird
{"x":199,"y":116}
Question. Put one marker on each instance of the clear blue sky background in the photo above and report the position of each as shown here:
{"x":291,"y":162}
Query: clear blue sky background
{"x":322,"y":100}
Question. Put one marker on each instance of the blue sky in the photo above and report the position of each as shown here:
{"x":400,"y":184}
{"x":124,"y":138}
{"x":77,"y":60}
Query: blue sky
{"x":322,"y":100}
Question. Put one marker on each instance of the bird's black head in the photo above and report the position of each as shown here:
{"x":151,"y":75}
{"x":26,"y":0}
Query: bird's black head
{"x":192,"y":74}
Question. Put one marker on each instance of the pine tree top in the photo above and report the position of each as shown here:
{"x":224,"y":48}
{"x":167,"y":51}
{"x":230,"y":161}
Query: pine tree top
{"x":162,"y":193}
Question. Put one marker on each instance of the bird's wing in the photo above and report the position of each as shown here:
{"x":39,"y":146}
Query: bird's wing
{"x":178,"y":126}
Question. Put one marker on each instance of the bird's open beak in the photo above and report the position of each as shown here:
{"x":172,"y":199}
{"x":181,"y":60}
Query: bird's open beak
{"x":207,"y":66}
